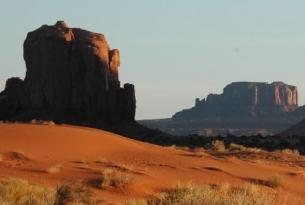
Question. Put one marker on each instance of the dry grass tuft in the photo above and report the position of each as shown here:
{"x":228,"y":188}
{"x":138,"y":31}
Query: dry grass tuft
{"x":275,"y":181}
{"x":218,"y":195}
{"x":54,"y":169}
{"x":240,"y":148}
{"x":76,"y":193}
{"x":20,"y":192}
{"x":114,"y":178}
{"x":173,"y":147}
{"x":136,"y":202}
{"x":218,"y":145}
{"x":290,"y":152}
{"x":223,"y":188}
{"x":125,"y":167}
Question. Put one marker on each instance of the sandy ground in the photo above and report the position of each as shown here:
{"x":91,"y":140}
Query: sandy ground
{"x":29,"y":150}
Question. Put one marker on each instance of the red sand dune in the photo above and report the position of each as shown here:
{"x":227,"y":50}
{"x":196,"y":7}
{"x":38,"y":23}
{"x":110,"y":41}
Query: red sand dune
{"x":29,"y":150}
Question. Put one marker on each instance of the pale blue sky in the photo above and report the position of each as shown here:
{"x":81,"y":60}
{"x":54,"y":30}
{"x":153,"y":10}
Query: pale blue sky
{"x":174,"y":50}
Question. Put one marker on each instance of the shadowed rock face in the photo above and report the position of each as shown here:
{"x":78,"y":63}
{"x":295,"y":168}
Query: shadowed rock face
{"x":295,"y":130}
{"x":245,"y":99}
{"x":71,"y":75}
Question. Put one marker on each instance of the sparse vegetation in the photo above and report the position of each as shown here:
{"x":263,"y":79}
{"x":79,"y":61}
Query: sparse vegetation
{"x":236,"y":148}
{"x":172,"y":147}
{"x":54,"y":169}
{"x":218,"y":195}
{"x":275,"y":181}
{"x":136,"y":202}
{"x":125,"y":167}
{"x":218,"y":145}
{"x":114,"y":178}
{"x":268,"y":143}
{"x":240,"y":148}
{"x":290,"y":151}
{"x":76,"y":193}
{"x":21,"y":192}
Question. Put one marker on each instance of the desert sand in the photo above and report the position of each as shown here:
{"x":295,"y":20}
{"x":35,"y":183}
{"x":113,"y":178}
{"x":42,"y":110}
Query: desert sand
{"x":29,"y":151}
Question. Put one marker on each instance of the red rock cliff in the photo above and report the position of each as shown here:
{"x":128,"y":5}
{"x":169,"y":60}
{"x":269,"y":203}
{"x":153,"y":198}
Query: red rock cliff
{"x":72,"y":74}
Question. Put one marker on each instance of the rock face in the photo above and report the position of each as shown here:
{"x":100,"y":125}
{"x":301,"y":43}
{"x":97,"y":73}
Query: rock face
{"x":295,"y":130}
{"x":71,"y":75}
{"x":245,"y":99}
{"x":244,"y":108}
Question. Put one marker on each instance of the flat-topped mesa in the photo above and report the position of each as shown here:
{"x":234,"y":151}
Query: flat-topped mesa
{"x":245,"y":99}
{"x":72,"y":73}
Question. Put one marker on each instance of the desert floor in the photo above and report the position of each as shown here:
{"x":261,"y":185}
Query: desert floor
{"x":79,"y":154}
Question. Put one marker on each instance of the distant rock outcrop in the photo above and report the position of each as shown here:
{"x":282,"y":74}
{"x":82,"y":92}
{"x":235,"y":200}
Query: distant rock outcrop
{"x":245,"y":99}
{"x":71,"y":76}
{"x":244,"y":108}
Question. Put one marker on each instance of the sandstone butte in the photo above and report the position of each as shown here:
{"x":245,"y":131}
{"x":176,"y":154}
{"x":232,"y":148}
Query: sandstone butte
{"x":72,"y":76}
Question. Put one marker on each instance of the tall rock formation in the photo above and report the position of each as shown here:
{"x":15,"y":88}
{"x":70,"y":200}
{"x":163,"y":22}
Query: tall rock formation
{"x":71,"y":75}
{"x":245,"y":99}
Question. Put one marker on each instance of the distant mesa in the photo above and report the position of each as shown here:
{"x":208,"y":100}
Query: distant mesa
{"x":72,"y":75}
{"x":245,"y":99}
{"x":244,"y":108}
